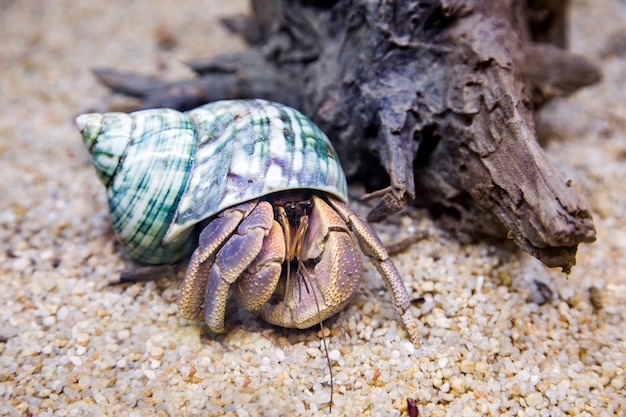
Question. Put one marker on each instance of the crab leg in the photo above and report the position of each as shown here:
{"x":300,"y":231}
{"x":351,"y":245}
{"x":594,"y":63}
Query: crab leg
{"x":221,"y":257}
{"x":232,"y":260}
{"x":257,"y":284}
{"x":211,"y":239}
{"x":375,"y":250}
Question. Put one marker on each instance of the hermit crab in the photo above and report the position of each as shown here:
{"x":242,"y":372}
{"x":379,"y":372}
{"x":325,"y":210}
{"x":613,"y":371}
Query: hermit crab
{"x":255,"y":190}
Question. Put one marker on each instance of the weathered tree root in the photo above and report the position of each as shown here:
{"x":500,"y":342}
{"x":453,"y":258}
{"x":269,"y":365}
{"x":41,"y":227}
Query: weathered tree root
{"x":431,"y":101}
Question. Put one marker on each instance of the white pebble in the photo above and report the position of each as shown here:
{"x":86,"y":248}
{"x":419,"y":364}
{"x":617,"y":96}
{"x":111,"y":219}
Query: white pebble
{"x":407,"y":347}
{"x":56,"y":386}
{"x":534,"y":399}
{"x":322,"y":397}
{"x":123,"y":334}
{"x":84,"y":324}
{"x":299,"y":407}
{"x":480,"y":280}
{"x":313,"y":352}
{"x":380,"y":332}
{"x":62,"y":313}
{"x":157,"y":352}
{"x":442,"y":362}
{"x":82,"y":339}
{"x":369,"y":374}
{"x":367,"y":333}
{"x":241,"y":380}
{"x":523,"y":375}
{"x":280,"y":355}
{"x":334,"y":355}
{"x":20,"y":264}
{"x":76,"y":361}
{"x":49,"y":321}
{"x":99,"y":398}
{"x":618,"y":383}
{"x":185,"y":371}
{"x":150,"y":374}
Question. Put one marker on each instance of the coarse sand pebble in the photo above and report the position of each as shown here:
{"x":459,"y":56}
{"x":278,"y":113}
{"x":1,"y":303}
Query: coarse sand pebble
{"x":501,"y":334}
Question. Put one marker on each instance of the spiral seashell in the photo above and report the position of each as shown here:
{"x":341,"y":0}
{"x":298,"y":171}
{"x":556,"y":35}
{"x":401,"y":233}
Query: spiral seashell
{"x":166,"y":172}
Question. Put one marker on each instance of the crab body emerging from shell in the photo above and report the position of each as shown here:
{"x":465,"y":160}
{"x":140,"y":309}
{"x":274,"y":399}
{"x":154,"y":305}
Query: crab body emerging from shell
{"x":255,"y":190}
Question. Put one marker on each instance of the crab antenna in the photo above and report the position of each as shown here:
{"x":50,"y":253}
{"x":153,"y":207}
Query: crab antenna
{"x":286,"y":227}
{"x":305,"y":277}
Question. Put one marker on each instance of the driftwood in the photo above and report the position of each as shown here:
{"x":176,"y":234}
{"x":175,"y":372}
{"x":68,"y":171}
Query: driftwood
{"x":429,"y":102}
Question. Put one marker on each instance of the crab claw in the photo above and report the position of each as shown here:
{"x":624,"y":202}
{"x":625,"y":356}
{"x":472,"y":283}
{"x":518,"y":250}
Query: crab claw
{"x":257,"y":283}
{"x":319,"y":292}
{"x":222,"y":256}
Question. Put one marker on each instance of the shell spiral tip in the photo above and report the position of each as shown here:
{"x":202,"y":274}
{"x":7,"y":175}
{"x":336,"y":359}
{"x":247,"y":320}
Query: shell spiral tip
{"x":81,"y":122}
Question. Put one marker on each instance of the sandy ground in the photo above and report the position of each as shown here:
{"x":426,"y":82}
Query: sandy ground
{"x":494,"y":342}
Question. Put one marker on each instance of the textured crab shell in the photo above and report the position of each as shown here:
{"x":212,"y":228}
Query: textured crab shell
{"x":167,"y":171}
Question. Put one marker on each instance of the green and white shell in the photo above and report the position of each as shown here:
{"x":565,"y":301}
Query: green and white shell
{"x":167,"y":171}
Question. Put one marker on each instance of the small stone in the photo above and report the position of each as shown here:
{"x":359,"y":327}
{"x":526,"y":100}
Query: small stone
{"x":609,"y":368}
{"x":407,"y":347}
{"x":49,"y":321}
{"x":123,"y":334}
{"x":458,"y":385}
{"x":82,"y":339}
{"x":56,"y":386}
{"x":313,"y":352}
{"x":280,"y":355}
{"x":44,"y":393}
{"x":99,"y":398}
{"x":334,"y":355}
{"x":76,"y":361}
{"x":322,"y":397}
{"x":20,"y":264}
{"x":534,"y":399}
{"x":326,"y":332}
{"x":242,"y":381}
{"x":617,"y":383}
{"x":62,"y":313}
{"x":7,"y":331}
{"x":523,"y":375}
{"x":467,"y":367}
{"x":157,"y":352}
{"x":442,"y":362}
